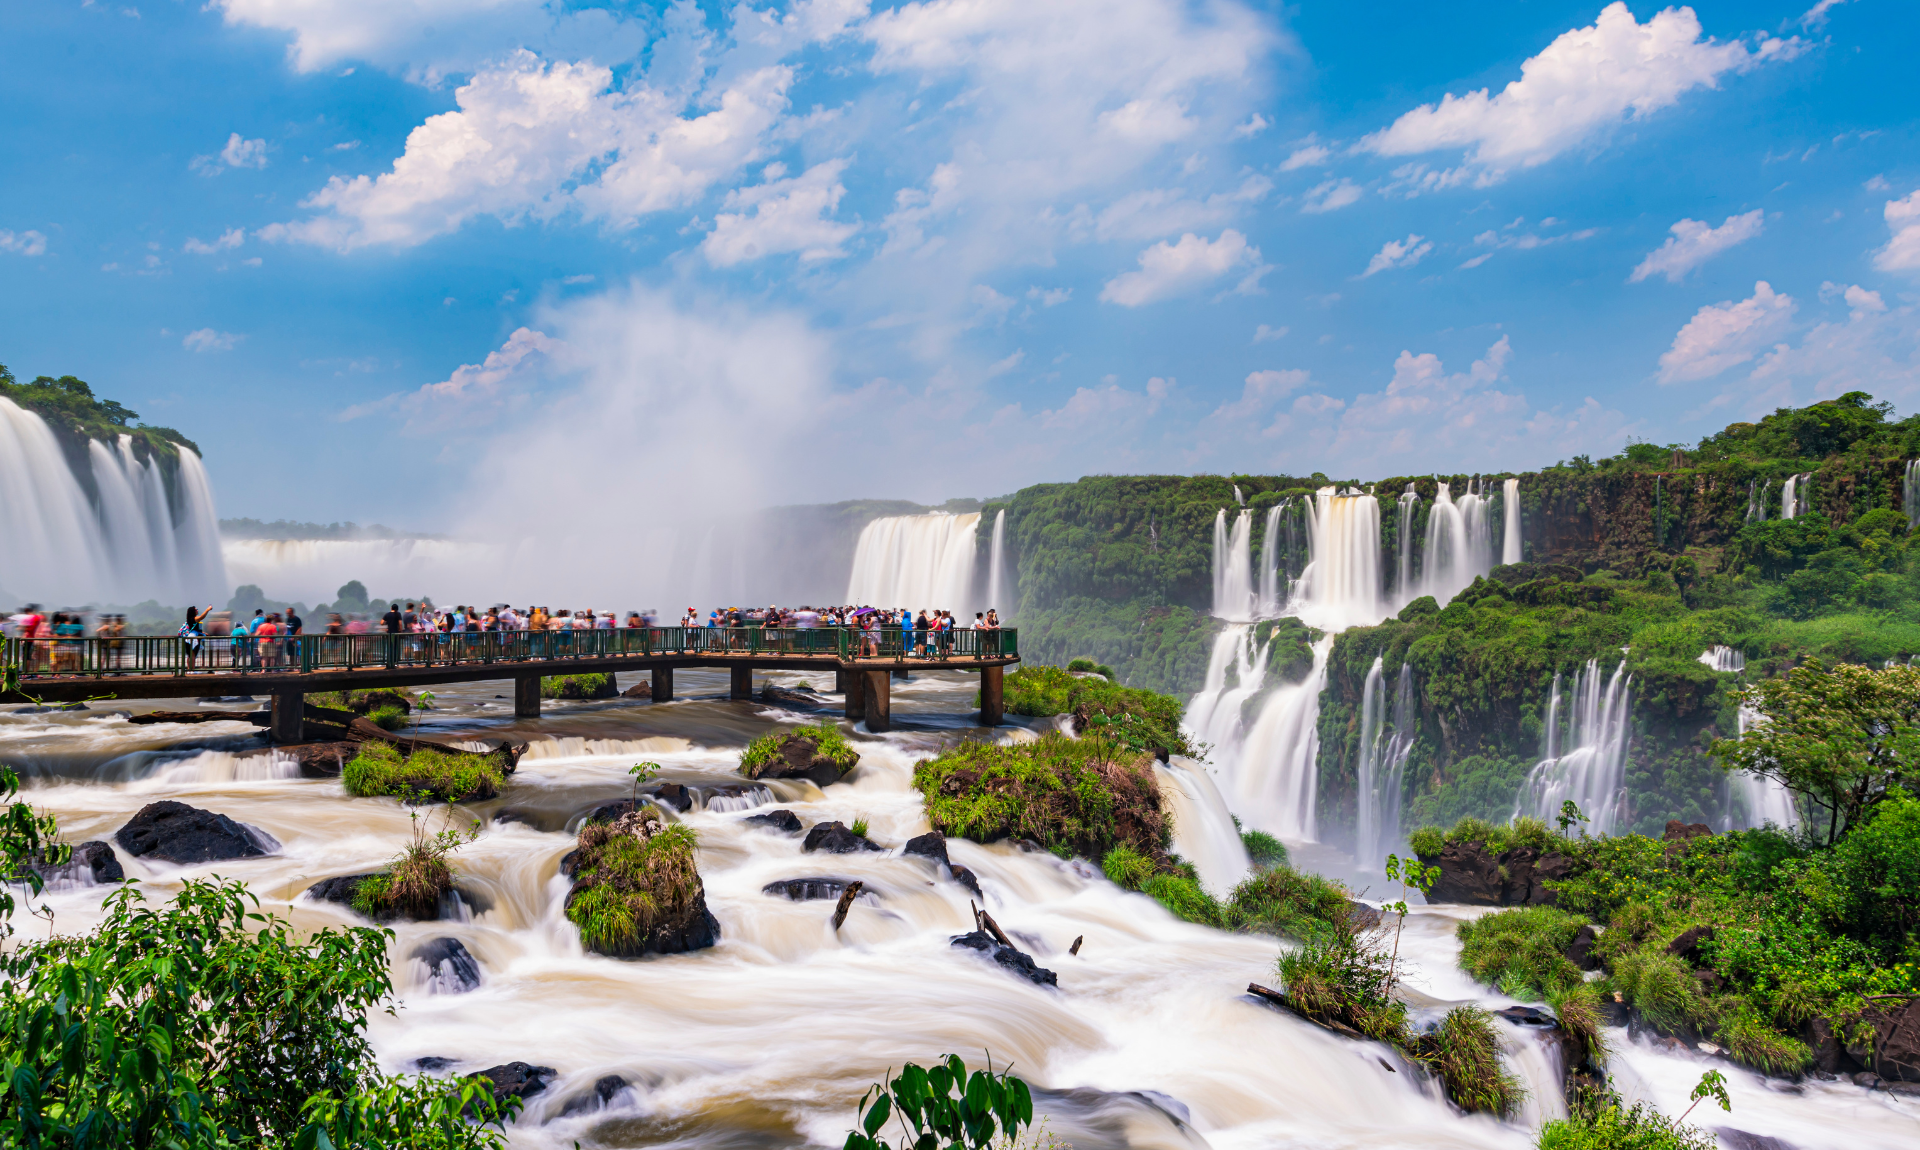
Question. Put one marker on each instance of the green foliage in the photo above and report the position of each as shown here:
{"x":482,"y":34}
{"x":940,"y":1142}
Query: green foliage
{"x":1139,"y":719}
{"x":1183,"y":895}
{"x":1126,"y":867}
{"x":1601,"y":1121}
{"x":631,"y":876}
{"x":594,"y":686}
{"x":827,"y":741}
{"x":1073,"y":796}
{"x":1428,"y":842}
{"x":1520,"y":951}
{"x":859,"y":827}
{"x":426,"y":775}
{"x":1578,"y":1007}
{"x":1295,"y":904}
{"x":69,"y":405}
{"x":388,"y":718}
{"x":944,"y":1108}
{"x":418,"y":877}
{"x":1464,"y":1053}
{"x":1344,"y":978}
{"x":1263,"y":849}
{"x":1151,"y":646}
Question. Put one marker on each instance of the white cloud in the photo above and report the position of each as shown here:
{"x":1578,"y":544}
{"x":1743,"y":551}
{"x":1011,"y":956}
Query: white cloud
{"x":207,"y":339}
{"x":27,"y":243}
{"x":1164,"y":211}
{"x":1265,"y":334}
{"x":1902,"y":252}
{"x":1002,"y":367}
{"x":1721,"y":335}
{"x":1816,"y":16}
{"x":1049,"y":297}
{"x":1693,"y":243}
{"x":475,"y":392}
{"x":1523,"y":241}
{"x":1260,"y":395}
{"x":787,"y":216}
{"x":1255,"y":125}
{"x":1863,"y":302}
{"x":229,"y":239}
{"x":1331,"y":195}
{"x":1167,"y":270}
{"x":238,"y":153}
{"x":1877,"y":351}
{"x":1397,"y":254}
{"x":1584,"y":83}
{"x":535,"y":140}
{"x":1311,"y":155}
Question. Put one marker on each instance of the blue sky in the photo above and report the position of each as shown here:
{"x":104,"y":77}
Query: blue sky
{"x":453,"y":264}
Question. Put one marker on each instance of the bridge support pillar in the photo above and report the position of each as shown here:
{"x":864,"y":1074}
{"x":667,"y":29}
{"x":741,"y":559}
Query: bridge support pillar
{"x":839,"y":680}
{"x":289,"y":717}
{"x":742,"y":682}
{"x":992,"y":698}
{"x":662,"y":684}
{"x":900,"y":673}
{"x":854,"y":684}
{"x":526,"y":697}
{"x":879,"y":706}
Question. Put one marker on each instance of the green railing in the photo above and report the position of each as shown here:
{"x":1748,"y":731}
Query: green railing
{"x":228,"y":655}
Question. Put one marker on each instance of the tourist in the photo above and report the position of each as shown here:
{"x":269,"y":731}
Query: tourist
{"x":266,"y":649}
{"x":192,"y":634}
{"x":393,"y":619}
{"x":294,"y":627}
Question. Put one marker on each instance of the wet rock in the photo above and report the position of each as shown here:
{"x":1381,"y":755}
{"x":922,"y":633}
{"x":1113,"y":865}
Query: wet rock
{"x":605,"y":1089}
{"x":806,"y":889}
{"x":451,"y":967}
{"x":519,"y":1079}
{"x":675,"y":795}
{"x":803,"y":696}
{"x":1679,"y":832}
{"x":932,"y":845}
{"x":1016,"y":961}
{"x":92,"y":863}
{"x":1471,"y":874}
{"x":1904,"y":1089}
{"x":1829,"y":1053}
{"x":777,"y":820}
{"x":1867,"y":1079}
{"x":1580,"y":950}
{"x":177,"y":833}
{"x":433,"y":1064}
{"x":338,"y":889}
{"x":966,"y":878}
{"x":510,"y":815}
{"x":836,"y":838}
{"x":1896,"y":1041}
{"x":1731,"y":1139}
{"x":1361,"y":916}
{"x":797,"y":755}
{"x":1687,"y":946}
{"x":324,"y":760}
{"x":1528,"y":1016}
{"x":611,"y":812}
{"x":657,"y":884}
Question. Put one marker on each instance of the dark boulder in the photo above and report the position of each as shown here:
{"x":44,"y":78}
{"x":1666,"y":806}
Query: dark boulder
{"x":451,"y":968}
{"x":1895,"y":1056}
{"x":1528,"y":1016}
{"x":610,"y":812}
{"x":674,"y":795}
{"x":338,"y":889}
{"x":966,"y":878}
{"x":805,"y":697}
{"x":797,"y":755}
{"x":1362,"y":917}
{"x":1016,"y":961}
{"x":177,"y":833}
{"x":835,"y":838}
{"x":1731,"y":1139}
{"x":92,"y":863}
{"x":1471,"y":874}
{"x":657,"y":885}
{"x":324,"y":760}
{"x":805,"y":889}
{"x":776,"y":820}
{"x":1686,"y":947}
{"x":1580,"y":950}
{"x":519,"y":1079}
{"x":433,"y":1064}
{"x":1829,"y":1053}
{"x":932,"y":845}
{"x":605,"y":1089}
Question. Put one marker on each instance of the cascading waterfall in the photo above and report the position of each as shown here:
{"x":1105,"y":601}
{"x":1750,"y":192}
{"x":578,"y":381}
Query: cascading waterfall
{"x":1237,"y":497}
{"x":1910,"y":493}
{"x":1274,"y":782}
{"x":1203,"y":831}
{"x":1236,"y":671}
{"x":916,"y":561}
{"x":1233,"y":566}
{"x":996,"y":568}
{"x":1276,"y":542}
{"x":136,"y":540}
{"x":1510,"y":527}
{"x":1459,"y":547}
{"x":1754,"y":800}
{"x":1593,"y":773}
{"x":1722,"y":658}
{"x":1385,"y":743}
{"x":1794,"y":500}
{"x":1403,"y":535}
{"x":1342,"y":582}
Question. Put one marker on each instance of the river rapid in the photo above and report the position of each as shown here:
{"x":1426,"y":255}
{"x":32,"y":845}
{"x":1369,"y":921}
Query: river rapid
{"x":769,"y":1038}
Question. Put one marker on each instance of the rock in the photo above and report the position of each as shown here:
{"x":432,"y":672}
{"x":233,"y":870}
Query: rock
{"x":1470,"y":874}
{"x":791,"y":697}
{"x":657,"y":884}
{"x":797,"y":756}
{"x":1016,"y":961}
{"x":806,"y":889}
{"x":92,"y":863}
{"x":1361,"y":916}
{"x":835,"y":838}
{"x":1580,"y":950}
{"x":609,"y":812}
{"x":324,"y":760}
{"x":1866,"y":1078}
{"x":1679,"y":832}
{"x":1731,"y":1139}
{"x":932,"y":845}
{"x":451,"y":968}
{"x":510,"y":815}
{"x":177,"y":833}
{"x":1528,"y":1016}
{"x":674,"y":795}
{"x":966,"y":878}
{"x":1687,"y":946}
{"x":1905,"y":1089}
{"x":1896,"y":1041}
{"x":338,"y":889}
{"x":433,"y":1064}
{"x":1829,"y":1053}
{"x":777,"y":820}
{"x":519,"y":1079}
{"x":605,"y":1089}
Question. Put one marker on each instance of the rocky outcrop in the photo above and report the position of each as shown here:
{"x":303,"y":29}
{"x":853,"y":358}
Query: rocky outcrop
{"x":92,"y":863}
{"x":806,"y":889}
{"x":1895,"y":1055}
{"x":1471,"y":874}
{"x":1019,"y":962}
{"x":804,"y":697}
{"x":519,"y":1079}
{"x":635,"y":890}
{"x":819,"y":754}
{"x":451,"y":967}
{"x":341,"y":890}
{"x":605,"y":1089}
{"x":932,"y":845}
{"x":836,"y":838}
{"x":320,"y":760}
{"x":177,"y":833}
{"x":785,"y":821}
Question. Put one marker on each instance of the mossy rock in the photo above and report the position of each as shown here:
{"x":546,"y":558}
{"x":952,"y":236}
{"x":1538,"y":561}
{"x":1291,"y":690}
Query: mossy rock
{"x":636,"y":890}
{"x":1072,"y":796}
{"x":820,"y":753}
{"x":578,"y":687}
{"x":362,"y":702}
{"x":426,"y":775}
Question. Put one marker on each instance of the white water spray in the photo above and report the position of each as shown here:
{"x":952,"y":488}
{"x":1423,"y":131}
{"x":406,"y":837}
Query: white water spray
{"x":1233,"y":566}
{"x":1725,"y":659}
{"x":1593,"y":773}
{"x":1274,"y":782}
{"x":1510,"y":527}
{"x":916,"y":561}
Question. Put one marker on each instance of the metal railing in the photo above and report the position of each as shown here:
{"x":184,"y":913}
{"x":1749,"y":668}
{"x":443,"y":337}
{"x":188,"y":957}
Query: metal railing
{"x":95,"y":657}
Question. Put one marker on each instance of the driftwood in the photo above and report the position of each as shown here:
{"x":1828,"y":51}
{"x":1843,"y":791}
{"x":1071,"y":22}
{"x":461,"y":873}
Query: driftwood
{"x":257,"y":718}
{"x":1268,"y":994}
{"x":984,"y":921}
{"x":846,"y":903}
{"x":1077,"y":940}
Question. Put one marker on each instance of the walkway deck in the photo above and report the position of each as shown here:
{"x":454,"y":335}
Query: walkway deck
{"x":80,"y":670}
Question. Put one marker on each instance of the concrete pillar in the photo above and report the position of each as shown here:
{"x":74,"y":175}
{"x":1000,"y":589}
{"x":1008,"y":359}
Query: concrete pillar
{"x":855,"y":686}
{"x":879,"y":706}
{"x":662,"y":684}
{"x":992,"y":699}
{"x":839,"y":680}
{"x":289,"y":717}
{"x":526,"y":697}
{"x":900,"y":673}
{"x":742,"y":682}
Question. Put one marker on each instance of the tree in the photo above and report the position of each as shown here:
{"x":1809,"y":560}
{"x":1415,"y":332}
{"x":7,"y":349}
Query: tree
{"x":1838,"y":738}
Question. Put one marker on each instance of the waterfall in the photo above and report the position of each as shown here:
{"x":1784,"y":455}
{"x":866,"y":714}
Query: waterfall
{"x":1754,"y":800}
{"x":1275,"y":577}
{"x":1510,"y":527}
{"x":1233,"y":566}
{"x":996,"y":568}
{"x":1459,"y":546}
{"x":1237,"y":497}
{"x":1384,"y":746}
{"x":1403,"y":544}
{"x":1342,"y":582}
{"x":1550,"y":737}
{"x":1236,"y":671}
{"x":1593,"y":773}
{"x":1274,"y":782}
{"x":1910,"y":493}
{"x":1794,"y":500}
{"x":1203,"y":830}
{"x":916,"y":561}
{"x":1724,"y":658}
{"x":132,"y":538}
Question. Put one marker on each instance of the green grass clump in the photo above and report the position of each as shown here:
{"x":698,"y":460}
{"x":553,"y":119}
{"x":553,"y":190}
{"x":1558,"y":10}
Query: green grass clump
{"x":1263,"y":849}
{"x":594,"y":686}
{"x":632,"y":876}
{"x":1578,"y":1009}
{"x":1428,"y":842}
{"x":1520,"y":950}
{"x":388,"y":718}
{"x":1464,"y":1053}
{"x":1604,"y":1122}
{"x":427,"y":775}
{"x":1073,"y":796}
{"x":828,"y":742}
{"x":1291,"y":903}
{"x":1343,"y":978}
{"x":1750,"y":1040}
{"x":1186,"y":898}
{"x":859,"y":827}
{"x":1127,"y":868}
{"x":1662,"y":988}
{"x":1140,"y":719}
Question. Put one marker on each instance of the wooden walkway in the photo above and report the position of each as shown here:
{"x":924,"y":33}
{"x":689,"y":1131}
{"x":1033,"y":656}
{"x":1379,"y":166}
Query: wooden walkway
{"x":85,"y":670}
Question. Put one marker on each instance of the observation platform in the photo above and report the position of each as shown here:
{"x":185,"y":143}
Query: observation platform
{"x":289,"y":668}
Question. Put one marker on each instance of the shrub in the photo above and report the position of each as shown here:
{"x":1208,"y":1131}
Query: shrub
{"x":388,"y":718}
{"x":1140,"y":719}
{"x":827,"y":741}
{"x":1750,"y":1040}
{"x":1184,"y":896}
{"x":1464,"y":1053}
{"x":1520,"y":950}
{"x":1578,"y":1008}
{"x":859,"y":827}
{"x":1662,"y":988}
{"x":1263,"y":849}
{"x":418,"y":878}
{"x":427,"y":775}
{"x":1073,"y":796}
{"x":632,"y":875}
{"x":1344,"y":979}
{"x":1081,"y":665}
{"x":1428,"y":842}
{"x":1284,"y":901}
{"x":595,"y":686}
{"x":1606,"y":1124}
{"x":1126,"y":867}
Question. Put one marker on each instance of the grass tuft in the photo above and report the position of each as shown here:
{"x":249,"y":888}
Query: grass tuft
{"x":1073,"y":796}
{"x":631,"y":875}
{"x":1464,"y":1053}
{"x":1520,"y":950}
{"x":1263,"y":849}
{"x":828,"y":741}
{"x":427,"y":775}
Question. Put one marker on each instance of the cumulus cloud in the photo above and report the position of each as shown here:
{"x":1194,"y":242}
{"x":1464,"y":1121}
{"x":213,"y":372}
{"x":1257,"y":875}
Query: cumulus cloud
{"x":1902,"y":252}
{"x":1168,"y":270}
{"x":1165,"y":211}
{"x":1330,"y":196}
{"x":27,"y":243}
{"x":228,"y":240}
{"x":1722,"y":335}
{"x":1693,"y":243}
{"x":207,"y":339}
{"x":1397,"y":254}
{"x":1816,"y":16}
{"x":475,"y":392}
{"x":239,"y":153}
{"x":1260,"y":395}
{"x":780,"y":216}
{"x":1584,"y":83}
{"x":1265,"y":333}
{"x":1312,"y":154}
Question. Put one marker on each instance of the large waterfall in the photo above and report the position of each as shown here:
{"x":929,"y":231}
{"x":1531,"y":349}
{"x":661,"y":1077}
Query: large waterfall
{"x":136,"y":537}
{"x":1233,"y":566}
{"x":1386,"y":738}
{"x":1510,"y":526}
{"x":1341,"y":586}
{"x":1236,"y":672}
{"x":1593,"y":772}
{"x":1274,"y":781}
{"x":1459,"y":545}
{"x":917,"y":561}
{"x":997,"y":569}
{"x":1910,"y":493}
{"x":1753,"y":800}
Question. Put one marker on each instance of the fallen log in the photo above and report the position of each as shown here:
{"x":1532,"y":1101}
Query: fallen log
{"x":846,"y":903}
{"x":1268,"y":994}
{"x":257,"y":718}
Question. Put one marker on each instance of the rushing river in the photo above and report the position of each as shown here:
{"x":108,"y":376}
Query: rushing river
{"x":769,"y":1038}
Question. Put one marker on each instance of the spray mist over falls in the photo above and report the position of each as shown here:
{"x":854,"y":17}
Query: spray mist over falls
{"x":917,"y":561}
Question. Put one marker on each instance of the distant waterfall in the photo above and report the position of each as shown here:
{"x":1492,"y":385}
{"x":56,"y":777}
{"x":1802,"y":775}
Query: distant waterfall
{"x":1752,"y":800}
{"x":996,"y":569}
{"x":1385,"y":743}
{"x":1236,"y":671}
{"x":1274,"y":782}
{"x":1342,"y":582}
{"x":1724,"y":658}
{"x":1233,"y":566}
{"x":1403,"y":536}
{"x":132,"y":539}
{"x":1459,"y":545}
{"x":1757,"y":498}
{"x":1593,"y":773}
{"x":1910,"y":493}
{"x":1279,"y":542}
{"x":1794,"y":501}
{"x":1510,"y":515}
{"x":916,"y":561}
{"x":1237,"y":497}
